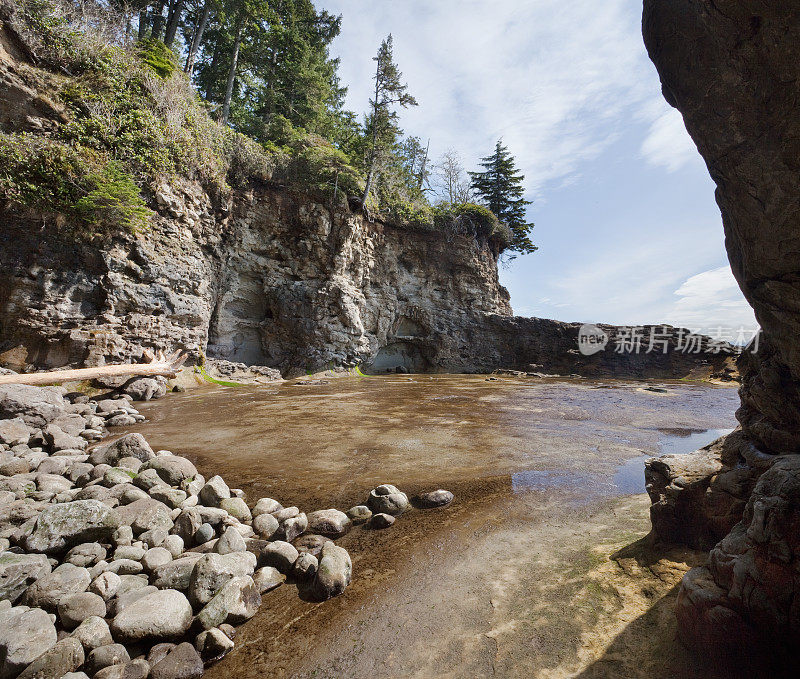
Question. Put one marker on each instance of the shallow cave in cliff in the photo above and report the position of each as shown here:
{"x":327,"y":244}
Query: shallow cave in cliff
{"x":395,"y":355}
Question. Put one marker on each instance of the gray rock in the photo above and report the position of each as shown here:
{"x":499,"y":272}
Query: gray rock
{"x":235,"y":602}
{"x":268,"y":578}
{"x":159,"y":651}
{"x":36,"y":406}
{"x":214,"y":492}
{"x":154,"y":538}
{"x":172,"y":497}
{"x":266,"y":505}
{"x":146,"y":388}
{"x":19,"y":571}
{"x":265,"y":525}
{"x":105,"y":656}
{"x":174,"y":545}
{"x":93,"y":632}
{"x":204,"y":534}
{"x":14,"y":465}
{"x":387,"y":499}
{"x":359,"y":514}
{"x":116,"y":476}
{"x":86,"y":554}
{"x":163,"y":614}
{"x":214,"y":570}
{"x":121,"y":421}
{"x":24,"y":635}
{"x":230,"y":541}
{"x":73,"y":609}
{"x":213,"y":644}
{"x":128,"y":583}
{"x":435,"y":498}
{"x":58,"y":439}
{"x":155,"y":557}
{"x":52,"y":483}
{"x":280,"y":555}
{"x":187,"y":524}
{"x":127,"y":597}
{"x":379,"y":521}
{"x":147,"y":479}
{"x":61,"y":526}
{"x":177,"y":574}
{"x":173,"y":469}
{"x":293,"y":528}
{"x":14,"y":432}
{"x":129,"y":445}
{"x":182,"y":662}
{"x":312,"y":544}
{"x":133,"y":464}
{"x":212,"y":515}
{"x":286,"y":513}
{"x":66,"y":656}
{"x":123,"y":535}
{"x":305,"y":567}
{"x":75,"y":675}
{"x":328,"y":522}
{"x":124,"y":567}
{"x":334,"y":572}
{"x":131,"y":552}
{"x":237,"y":508}
{"x":105,"y":585}
{"x":135,"y":669}
{"x":48,"y":590}
{"x":145,"y":515}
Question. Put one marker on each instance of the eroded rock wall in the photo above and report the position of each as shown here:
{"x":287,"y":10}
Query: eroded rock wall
{"x":733,"y":70}
{"x":272,"y":278}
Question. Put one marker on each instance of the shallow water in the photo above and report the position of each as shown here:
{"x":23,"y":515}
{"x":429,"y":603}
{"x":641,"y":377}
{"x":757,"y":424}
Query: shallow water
{"x":327,"y":444}
{"x":530,"y":461}
{"x":629,"y":478}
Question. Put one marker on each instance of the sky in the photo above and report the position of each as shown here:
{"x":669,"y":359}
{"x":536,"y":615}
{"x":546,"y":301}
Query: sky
{"x":626,"y":223}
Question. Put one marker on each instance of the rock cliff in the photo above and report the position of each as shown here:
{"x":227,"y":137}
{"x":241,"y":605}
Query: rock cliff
{"x":273,"y":278}
{"x":732,"y":69}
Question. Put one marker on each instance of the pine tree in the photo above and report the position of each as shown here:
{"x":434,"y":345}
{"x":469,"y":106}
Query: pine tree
{"x":381,"y":125}
{"x":500,"y":188}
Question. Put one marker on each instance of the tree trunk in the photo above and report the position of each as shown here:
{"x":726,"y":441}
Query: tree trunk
{"x":158,"y":22}
{"x":142,"y":34}
{"x":173,"y":22}
{"x":226,"y":105}
{"x":375,"y":106}
{"x":167,"y":367}
{"x":197,"y":38}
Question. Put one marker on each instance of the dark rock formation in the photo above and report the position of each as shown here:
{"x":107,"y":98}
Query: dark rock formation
{"x":733,"y":70}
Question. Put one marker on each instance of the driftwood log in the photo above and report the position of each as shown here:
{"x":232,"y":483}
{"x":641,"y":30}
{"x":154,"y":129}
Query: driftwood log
{"x":155,"y":365}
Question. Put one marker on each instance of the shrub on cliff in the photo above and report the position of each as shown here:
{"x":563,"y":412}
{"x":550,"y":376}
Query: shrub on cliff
{"x":93,"y":194}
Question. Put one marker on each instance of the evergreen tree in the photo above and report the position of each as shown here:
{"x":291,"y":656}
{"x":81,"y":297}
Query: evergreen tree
{"x":500,"y":188}
{"x":381,"y":125}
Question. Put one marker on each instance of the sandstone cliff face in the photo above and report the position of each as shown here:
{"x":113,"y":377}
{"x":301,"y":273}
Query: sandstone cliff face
{"x":275,"y":279}
{"x":732,"y":69}
{"x":272,"y":278}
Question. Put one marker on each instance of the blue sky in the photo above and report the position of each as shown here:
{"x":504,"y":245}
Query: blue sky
{"x":626,"y":223}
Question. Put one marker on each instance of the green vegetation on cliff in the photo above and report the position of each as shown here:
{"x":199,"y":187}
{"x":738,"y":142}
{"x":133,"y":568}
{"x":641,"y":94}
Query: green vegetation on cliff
{"x":226,"y":93}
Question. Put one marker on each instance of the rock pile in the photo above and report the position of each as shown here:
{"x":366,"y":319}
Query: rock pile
{"x":120,"y":561}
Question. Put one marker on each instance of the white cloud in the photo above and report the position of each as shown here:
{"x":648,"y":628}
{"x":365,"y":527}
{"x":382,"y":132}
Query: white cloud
{"x":552,"y":78}
{"x":668,"y":144}
{"x":710,"y":299}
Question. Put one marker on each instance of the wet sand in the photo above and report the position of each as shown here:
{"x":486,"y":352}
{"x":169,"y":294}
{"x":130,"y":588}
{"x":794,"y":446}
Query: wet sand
{"x":520,"y":576}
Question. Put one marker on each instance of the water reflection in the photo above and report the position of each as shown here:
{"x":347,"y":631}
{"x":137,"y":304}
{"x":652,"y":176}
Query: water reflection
{"x":629,"y":478}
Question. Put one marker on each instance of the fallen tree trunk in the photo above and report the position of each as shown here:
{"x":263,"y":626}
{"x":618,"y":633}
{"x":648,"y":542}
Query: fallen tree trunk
{"x":156,"y":366}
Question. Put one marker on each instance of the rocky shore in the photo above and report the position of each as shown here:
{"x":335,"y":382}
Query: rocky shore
{"x":121,"y":561}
